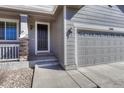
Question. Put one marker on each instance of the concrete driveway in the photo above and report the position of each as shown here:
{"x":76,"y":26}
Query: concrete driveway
{"x":105,"y":76}
{"x":55,"y":77}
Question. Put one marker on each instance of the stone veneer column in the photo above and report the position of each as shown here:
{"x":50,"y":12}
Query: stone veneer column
{"x":24,"y":40}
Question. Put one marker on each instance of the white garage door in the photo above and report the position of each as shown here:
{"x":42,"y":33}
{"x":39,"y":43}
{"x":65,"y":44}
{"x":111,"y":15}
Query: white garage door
{"x":99,"y":47}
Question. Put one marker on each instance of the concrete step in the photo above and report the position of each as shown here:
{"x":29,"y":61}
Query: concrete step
{"x":43,"y":61}
{"x":42,"y":57}
{"x":45,"y":54}
{"x":46,"y":64}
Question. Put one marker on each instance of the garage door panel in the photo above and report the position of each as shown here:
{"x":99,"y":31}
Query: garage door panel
{"x":97,"y":59}
{"x":122,"y":57}
{"x":112,"y":58}
{"x":87,"y":60}
{"x":81,"y":61}
{"x":91,"y":50}
{"x":97,"y":50}
{"x":106,"y":50}
{"x":118,"y":58}
{"x":111,"y":50}
{"x":99,"y":47}
{"x":112,"y":42}
{"x":122,"y":42}
{"x":81,"y":51}
{"x":117,"y":51}
{"x":90,"y":60}
{"x":106,"y":59}
{"x":123,"y":50}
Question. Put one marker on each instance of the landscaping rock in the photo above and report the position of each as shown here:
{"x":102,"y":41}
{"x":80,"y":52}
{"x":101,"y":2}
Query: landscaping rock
{"x":21,"y":78}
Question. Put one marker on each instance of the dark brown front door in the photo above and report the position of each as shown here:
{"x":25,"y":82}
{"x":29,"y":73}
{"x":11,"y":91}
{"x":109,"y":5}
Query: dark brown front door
{"x":42,"y":37}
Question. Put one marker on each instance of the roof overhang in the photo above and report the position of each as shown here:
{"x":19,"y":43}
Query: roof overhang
{"x":48,"y":9}
{"x":75,"y":6}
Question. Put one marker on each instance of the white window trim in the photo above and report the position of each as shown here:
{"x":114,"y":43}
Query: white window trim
{"x":17,"y":29}
{"x":36,"y":50}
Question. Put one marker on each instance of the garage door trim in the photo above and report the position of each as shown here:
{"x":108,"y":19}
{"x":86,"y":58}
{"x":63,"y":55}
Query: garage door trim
{"x":81,"y":26}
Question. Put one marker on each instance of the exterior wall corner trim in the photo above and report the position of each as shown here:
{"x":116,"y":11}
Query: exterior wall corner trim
{"x":65,"y":41}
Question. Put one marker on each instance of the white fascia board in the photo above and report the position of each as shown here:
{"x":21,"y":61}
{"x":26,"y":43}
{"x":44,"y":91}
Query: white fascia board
{"x":31,"y":8}
{"x":54,"y":10}
{"x":82,"y":26}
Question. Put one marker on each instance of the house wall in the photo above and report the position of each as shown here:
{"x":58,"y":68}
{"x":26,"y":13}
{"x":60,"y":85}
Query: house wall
{"x":57,"y":36}
{"x":93,"y":15}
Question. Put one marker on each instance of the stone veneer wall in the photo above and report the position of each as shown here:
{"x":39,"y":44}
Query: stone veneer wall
{"x":24,"y":49}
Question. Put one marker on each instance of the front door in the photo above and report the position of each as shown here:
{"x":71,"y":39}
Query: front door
{"x":42,"y":37}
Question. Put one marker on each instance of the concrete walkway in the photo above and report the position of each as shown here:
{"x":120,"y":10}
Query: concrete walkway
{"x":55,"y":77}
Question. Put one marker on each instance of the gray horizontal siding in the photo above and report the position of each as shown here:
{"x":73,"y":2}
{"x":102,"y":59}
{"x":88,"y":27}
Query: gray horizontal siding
{"x":105,"y":10}
{"x":98,"y":22}
{"x":97,"y":9}
{"x":98,"y":15}
{"x":70,"y":45}
{"x":114,"y":7}
{"x":101,"y":18}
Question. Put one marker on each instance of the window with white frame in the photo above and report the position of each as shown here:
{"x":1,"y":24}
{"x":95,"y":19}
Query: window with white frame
{"x":8,"y":30}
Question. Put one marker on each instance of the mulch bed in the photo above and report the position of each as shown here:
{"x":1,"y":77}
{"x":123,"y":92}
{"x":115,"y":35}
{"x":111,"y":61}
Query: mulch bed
{"x":21,"y":78}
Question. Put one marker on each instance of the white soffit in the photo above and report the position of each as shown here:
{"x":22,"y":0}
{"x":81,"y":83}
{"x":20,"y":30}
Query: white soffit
{"x":50,"y":9}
